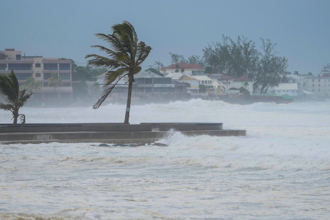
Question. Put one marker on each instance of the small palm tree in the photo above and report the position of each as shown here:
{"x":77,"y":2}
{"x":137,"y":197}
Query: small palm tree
{"x":31,"y":84}
{"x":54,"y":80}
{"x":9,"y":88}
{"x":124,"y":59}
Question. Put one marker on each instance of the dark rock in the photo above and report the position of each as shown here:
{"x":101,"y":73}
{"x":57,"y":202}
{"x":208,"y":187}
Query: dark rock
{"x":160,"y":145}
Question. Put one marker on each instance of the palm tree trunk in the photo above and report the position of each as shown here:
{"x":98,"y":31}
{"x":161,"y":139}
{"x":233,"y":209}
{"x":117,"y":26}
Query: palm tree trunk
{"x":129,"y":97}
{"x":15,"y":120}
{"x":15,"y":116}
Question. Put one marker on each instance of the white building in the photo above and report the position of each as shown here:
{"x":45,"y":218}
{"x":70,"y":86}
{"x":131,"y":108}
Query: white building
{"x":227,"y":81}
{"x":204,"y":80}
{"x":320,"y":86}
{"x":243,"y":82}
{"x":194,"y":84}
{"x":290,"y":89}
{"x":182,"y":68}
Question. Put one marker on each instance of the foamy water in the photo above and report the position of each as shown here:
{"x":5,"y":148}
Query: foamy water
{"x":280,"y":170}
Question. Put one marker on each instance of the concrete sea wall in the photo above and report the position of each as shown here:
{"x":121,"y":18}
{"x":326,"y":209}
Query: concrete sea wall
{"x":107,"y":132}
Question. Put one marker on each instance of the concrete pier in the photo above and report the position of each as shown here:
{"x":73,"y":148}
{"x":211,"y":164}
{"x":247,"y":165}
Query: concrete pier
{"x":107,"y":132}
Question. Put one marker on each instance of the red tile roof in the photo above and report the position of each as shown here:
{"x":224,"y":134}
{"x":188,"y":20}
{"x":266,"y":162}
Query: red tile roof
{"x":185,"y":66}
{"x":242,"y":79}
{"x":223,"y":76}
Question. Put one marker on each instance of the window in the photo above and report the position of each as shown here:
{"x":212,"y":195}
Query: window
{"x":50,"y":66}
{"x":18,"y":57}
{"x":313,"y":85}
{"x":148,"y":81}
{"x":65,"y":76}
{"x":313,"y":90}
{"x":46,"y":75}
{"x":38,"y":65}
{"x":313,"y":80}
{"x":64,"y":66}
{"x":19,"y":66}
{"x":139,"y":80}
{"x":319,"y":85}
{"x":319,"y":80}
{"x":3,"y":67}
{"x":22,"y":76}
{"x":162,"y":80}
{"x":38,"y":74}
{"x":319,"y":90}
{"x":2,"y":56}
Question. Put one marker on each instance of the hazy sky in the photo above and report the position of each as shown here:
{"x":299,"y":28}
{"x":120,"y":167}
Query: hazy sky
{"x":60,"y":28}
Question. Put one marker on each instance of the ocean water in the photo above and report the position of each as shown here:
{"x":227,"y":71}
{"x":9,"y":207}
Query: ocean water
{"x":280,"y":170}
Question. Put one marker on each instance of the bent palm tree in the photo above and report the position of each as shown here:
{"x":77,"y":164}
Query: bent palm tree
{"x":9,"y":88}
{"x":54,"y":80}
{"x":124,"y":58}
{"x":31,"y":84}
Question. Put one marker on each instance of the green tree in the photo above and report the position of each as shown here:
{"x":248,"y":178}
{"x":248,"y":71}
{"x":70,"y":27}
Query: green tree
{"x":202,"y":88}
{"x":54,"y":80}
{"x":31,"y":84}
{"x":271,"y":68}
{"x":9,"y":88}
{"x":124,"y":59}
{"x":158,"y":64}
{"x":176,"y":58}
{"x":196,"y":59}
{"x":235,"y":58}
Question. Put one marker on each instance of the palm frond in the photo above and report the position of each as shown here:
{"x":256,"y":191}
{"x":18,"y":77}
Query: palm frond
{"x":106,"y":93}
{"x":9,"y":87}
{"x":111,"y":76}
{"x":100,"y":61}
{"x":14,"y":81}
{"x":113,"y":40}
{"x":6,"y":107}
{"x":142,"y":52}
{"x":23,"y":97}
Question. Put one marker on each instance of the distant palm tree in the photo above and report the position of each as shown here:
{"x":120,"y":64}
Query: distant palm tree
{"x":124,"y":58}
{"x":31,"y":84}
{"x":54,"y":80}
{"x":9,"y":88}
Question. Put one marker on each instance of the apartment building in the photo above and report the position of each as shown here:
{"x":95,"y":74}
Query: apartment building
{"x":39,"y":68}
{"x":319,"y":86}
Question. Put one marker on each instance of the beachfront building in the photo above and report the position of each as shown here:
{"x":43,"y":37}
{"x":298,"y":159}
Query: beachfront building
{"x":176,"y":71}
{"x":39,"y":68}
{"x":284,"y":89}
{"x":226,"y":81}
{"x":193,"y":89}
{"x":146,"y":83}
{"x":204,"y":80}
{"x":319,"y":86}
{"x":243,"y":82}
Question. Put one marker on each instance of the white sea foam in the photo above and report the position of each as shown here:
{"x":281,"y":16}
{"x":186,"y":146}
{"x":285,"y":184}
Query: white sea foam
{"x":280,"y":170}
